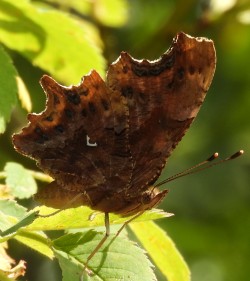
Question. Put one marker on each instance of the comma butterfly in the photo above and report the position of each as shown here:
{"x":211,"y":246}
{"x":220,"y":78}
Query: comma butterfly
{"x":106,"y":143}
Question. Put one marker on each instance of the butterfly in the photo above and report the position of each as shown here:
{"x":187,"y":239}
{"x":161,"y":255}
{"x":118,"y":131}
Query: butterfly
{"x":106,"y":143}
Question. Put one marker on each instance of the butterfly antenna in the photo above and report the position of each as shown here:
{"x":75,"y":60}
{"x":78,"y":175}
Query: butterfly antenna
{"x":201,"y":166}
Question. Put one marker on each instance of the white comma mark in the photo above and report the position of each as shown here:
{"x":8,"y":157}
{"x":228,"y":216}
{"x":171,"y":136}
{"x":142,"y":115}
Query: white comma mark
{"x":89,"y":143}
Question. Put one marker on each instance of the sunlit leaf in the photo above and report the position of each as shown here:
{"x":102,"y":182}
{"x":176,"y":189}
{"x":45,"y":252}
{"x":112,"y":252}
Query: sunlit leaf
{"x":28,"y":219}
{"x":23,"y":94}
{"x":118,"y":258}
{"x":13,"y":221}
{"x":162,"y":250}
{"x":8,"y":88}
{"x":111,"y":13}
{"x":19,"y":180}
{"x":81,"y":217}
{"x":49,"y":39}
{"x":107,"y":12}
{"x":13,"y":217}
{"x":12,"y":208}
{"x":36,"y":241}
{"x":83,"y":7}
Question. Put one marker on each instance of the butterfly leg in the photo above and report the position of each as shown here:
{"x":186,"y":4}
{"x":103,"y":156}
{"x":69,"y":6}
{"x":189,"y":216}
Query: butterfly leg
{"x":128,"y":221}
{"x":107,"y":226}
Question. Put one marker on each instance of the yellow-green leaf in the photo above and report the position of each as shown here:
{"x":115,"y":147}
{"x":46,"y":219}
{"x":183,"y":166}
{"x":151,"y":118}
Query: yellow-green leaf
{"x":23,"y":94}
{"x":8,"y":88}
{"x":162,"y":250}
{"x":82,"y":217}
{"x":111,"y":13}
{"x":50,"y":39}
{"x":36,"y":241}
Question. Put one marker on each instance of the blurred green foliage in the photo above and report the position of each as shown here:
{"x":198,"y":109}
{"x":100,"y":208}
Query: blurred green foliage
{"x":211,"y":226}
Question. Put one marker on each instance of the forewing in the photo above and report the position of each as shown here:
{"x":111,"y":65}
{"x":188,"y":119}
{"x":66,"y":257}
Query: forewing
{"x":81,"y":138}
{"x":163,"y":97}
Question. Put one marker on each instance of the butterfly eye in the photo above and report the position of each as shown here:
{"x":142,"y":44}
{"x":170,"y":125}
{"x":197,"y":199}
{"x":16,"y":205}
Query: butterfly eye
{"x":146,"y":198}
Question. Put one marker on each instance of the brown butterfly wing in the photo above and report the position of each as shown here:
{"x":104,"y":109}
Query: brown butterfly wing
{"x":163,"y":98}
{"x":111,"y":142}
{"x":81,"y":138}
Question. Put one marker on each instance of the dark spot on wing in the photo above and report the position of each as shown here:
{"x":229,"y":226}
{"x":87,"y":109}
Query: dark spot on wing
{"x":84,"y":112}
{"x":49,"y":118}
{"x":127,"y":92}
{"x":69,"y":113}
{"x":59,"y":128}
{"x":105,"y":104}
{"x":180,"y":73}
{"x":92,"y":107}
{"x":73,"y":97}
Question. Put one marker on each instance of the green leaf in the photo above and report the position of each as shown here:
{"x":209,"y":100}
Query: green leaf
{"x":23,"y":94}
{"x":82,"y":7}
{"x":118,"y":258}
{"x":107,"y":12}
{"x":50,"y":39}
{"x":14,"y":220}
{"x":8,"y":88}
{"x":36,"y":241}
{"x":80,"y":218}
{"x":28,"y":219}
{"x":11,"y":208}
{"x":13,"y":217}
{"x":5,"y":223}
{"x":19,"y":180}
{"x":162,"y":250}
{"x":111,"y":13}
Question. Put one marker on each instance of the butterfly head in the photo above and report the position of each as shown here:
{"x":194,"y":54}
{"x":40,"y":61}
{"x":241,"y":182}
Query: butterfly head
{"x":147,"y":200}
